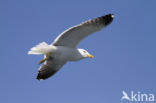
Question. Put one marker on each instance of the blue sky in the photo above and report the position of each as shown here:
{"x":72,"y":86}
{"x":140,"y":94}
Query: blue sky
{"x":125,"y":51}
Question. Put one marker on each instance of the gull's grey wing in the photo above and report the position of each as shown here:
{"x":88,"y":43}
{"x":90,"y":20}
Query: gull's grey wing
{"x":49,"y":68}
{"x":74,"y":35}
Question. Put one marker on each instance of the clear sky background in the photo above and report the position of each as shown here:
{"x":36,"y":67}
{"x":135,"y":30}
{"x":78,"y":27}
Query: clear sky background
{"x":125,"y":51}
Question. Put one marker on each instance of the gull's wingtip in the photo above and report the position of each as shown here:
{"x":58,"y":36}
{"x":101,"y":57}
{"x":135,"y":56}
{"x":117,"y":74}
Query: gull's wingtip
{"x":112,"y":15}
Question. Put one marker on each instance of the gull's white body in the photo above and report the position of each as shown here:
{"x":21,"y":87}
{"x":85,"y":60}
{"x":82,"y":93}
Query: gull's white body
{"x":64,"y":48}
{"x":59,"y":52}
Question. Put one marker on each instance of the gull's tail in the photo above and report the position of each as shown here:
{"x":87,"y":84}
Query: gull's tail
{"x":41,"y":48}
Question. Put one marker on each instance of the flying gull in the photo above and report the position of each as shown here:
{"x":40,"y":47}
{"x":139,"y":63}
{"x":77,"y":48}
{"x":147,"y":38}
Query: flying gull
{"x":64,"y":48}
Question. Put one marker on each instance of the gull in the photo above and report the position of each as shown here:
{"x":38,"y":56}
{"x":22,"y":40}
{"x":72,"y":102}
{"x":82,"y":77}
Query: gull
{"x":64,"y":48}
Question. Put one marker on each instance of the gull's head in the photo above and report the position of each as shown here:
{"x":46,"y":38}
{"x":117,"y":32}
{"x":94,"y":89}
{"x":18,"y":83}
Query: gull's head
{"x":85,"y":54}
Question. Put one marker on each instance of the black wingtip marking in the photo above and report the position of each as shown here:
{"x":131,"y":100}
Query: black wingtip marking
{"x":42,"y":75}
{"x":46,"y":70}
{"x":107,"y":19}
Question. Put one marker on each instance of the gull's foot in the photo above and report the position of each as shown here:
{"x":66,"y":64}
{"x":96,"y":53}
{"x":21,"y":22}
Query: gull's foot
{"x":47,"y":57}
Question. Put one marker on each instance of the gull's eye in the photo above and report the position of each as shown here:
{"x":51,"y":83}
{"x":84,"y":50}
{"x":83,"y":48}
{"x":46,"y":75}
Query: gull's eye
{"x":84,"y":51}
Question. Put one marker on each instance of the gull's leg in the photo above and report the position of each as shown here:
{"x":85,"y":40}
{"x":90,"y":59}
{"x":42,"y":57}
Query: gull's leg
{"x":47,"y":56}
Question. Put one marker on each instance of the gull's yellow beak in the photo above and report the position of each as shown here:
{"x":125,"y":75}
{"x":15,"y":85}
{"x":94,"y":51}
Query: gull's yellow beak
{"x":90,"y":56}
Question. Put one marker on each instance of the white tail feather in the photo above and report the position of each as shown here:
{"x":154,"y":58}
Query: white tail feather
{"x":41,"y":48}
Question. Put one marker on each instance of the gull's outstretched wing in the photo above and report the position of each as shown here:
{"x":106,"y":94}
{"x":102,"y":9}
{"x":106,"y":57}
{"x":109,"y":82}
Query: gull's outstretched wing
{"x":49,"y":68}
{"x":74,"y":35}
